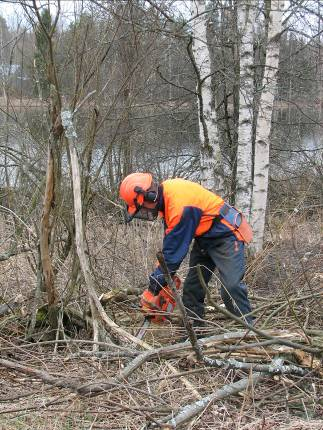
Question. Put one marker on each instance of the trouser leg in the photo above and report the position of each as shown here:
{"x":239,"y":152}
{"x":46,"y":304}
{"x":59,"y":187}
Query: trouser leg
{"x":193,"y":292}
{"x":228,"y":256}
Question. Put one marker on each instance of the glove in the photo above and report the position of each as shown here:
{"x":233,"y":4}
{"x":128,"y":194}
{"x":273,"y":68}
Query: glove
{"x":167,"y":293}
{"x":156,"y":281}
{"x":150,"y":303}
{"x":157,"y":305}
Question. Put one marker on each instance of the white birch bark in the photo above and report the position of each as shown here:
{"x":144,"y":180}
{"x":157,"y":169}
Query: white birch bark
{"x":262,"y":144}
{"x":246,"y":15}
{"x":211,"y":159}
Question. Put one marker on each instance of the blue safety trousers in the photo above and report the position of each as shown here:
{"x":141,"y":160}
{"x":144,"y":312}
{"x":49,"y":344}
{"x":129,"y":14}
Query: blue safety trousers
{"x":226,"y":254}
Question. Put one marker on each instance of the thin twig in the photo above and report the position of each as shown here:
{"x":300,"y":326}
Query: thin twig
{"x":225,"y":312}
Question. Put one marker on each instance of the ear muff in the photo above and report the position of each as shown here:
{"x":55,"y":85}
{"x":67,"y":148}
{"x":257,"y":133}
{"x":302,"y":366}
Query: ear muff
{"x":149,"y":196}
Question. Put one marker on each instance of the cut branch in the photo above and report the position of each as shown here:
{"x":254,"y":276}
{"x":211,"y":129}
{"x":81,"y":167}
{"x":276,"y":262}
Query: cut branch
{"x":190,"y":411}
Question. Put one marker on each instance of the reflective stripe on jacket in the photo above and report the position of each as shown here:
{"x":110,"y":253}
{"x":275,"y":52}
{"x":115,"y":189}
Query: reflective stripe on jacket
{"x":189,"y":211}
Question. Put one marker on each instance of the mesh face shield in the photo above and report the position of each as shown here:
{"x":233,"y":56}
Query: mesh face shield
{"x":144,"y":206}
{"x":143,"y":214}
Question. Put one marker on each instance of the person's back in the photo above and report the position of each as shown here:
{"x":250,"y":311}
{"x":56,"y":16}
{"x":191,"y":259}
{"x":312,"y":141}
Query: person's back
{"x":184,"y":199}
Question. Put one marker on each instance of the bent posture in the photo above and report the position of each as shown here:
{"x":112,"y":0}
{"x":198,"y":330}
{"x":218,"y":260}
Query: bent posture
{"x":191,"y":212}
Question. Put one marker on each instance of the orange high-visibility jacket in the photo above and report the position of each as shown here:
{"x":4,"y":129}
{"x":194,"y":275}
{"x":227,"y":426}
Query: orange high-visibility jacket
{"x":189,"y":210}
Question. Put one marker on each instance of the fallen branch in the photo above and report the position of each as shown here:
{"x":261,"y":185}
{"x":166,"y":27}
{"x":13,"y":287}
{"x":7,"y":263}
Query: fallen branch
{"x":103,"y":354}
{"x":178,"y":349}
{"x":275,"y":369}
{"x":68,"y":342}
{"x":97,"y":387}
{"x":39,"y":374}
{"x":118,"y":295}
{"x":188,"y":412}
{"x":11,"y":253}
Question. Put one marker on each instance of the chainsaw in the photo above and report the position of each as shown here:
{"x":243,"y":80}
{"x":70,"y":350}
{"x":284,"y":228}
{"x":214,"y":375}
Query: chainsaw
{"x":165,"y":306}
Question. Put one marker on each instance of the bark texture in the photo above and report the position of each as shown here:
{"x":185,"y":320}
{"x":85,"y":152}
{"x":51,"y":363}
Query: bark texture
{"x":262,"y":144}
{"x":190,"y":411}
{"x":45,"y":233}
{"x":211,"y":160}
{"x":246,"y":14}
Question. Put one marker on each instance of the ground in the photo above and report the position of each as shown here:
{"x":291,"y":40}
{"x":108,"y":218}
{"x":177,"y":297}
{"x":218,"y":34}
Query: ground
{"x":286,"y":292}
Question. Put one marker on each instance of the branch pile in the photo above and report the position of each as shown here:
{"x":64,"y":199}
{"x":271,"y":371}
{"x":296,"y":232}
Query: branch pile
{"x":245,"y":358}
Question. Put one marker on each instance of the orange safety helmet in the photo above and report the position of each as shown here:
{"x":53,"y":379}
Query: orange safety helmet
{"x":133,"y":188}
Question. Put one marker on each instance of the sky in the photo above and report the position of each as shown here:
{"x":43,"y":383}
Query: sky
{"x":11,"y":9}
{"x":8,"y":8}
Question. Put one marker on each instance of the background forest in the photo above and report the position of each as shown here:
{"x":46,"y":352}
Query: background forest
{"x":228,"y":93}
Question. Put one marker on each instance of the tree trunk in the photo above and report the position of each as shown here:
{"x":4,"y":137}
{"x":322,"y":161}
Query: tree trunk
{"x":81,"y":247}
{"x":246,"y":19}
{"x":45,"y":232}
{"x":211,"y":159}
{"x":262,"y":144}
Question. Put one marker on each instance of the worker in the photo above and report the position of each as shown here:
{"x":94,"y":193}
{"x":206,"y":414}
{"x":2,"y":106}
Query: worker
{"x":191,"y":212}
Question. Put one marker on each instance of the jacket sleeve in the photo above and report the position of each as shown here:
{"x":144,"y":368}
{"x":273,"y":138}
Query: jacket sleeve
{"x":178,"y":237}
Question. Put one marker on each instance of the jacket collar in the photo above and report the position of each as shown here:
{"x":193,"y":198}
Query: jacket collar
{"x":160,"y":199}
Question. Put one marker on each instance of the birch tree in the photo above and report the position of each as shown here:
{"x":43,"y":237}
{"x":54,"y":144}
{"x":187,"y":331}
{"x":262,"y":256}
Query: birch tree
{"x":211,"y":160}
{"x":263,"y":128}
{"x":246,"y":15}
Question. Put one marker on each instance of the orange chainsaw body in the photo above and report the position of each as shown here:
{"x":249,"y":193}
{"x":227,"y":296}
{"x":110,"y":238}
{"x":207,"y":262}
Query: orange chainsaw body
{"x":165,"y":305}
